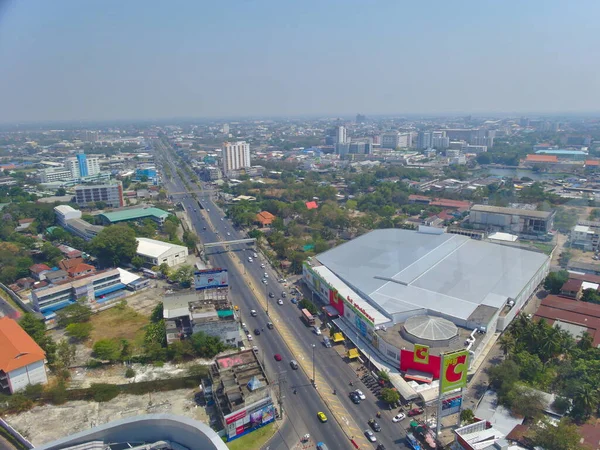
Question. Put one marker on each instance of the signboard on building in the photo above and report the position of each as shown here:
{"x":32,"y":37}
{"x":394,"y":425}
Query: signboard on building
{"x":249,"y":419}
{"x":209,"y":279}
{"x":451,"y":405}
{"x":454,"y":368}
{"x":421,"y":354}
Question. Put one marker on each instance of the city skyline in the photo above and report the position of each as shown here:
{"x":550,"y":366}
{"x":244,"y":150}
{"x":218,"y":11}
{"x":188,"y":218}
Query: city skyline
{"x":107,"y":60}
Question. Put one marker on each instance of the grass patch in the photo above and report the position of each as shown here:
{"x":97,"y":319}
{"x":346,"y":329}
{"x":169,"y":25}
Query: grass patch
{"x":254,"y":440}
{"x":119,"y":322}
{"x":546,"y":248}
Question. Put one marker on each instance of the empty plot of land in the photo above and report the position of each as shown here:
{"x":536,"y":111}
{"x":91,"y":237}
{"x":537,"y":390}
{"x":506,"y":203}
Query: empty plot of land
{"x":50,"y":422}
{"x":119,"y":323}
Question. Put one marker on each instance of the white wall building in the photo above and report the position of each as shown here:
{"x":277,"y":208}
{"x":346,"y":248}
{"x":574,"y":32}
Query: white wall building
{"x":156,"y":252}
{"x":236,"y":156}
{"x":585,"y":237}
{"x":92,"y":163}
{"x":53,"y":174}
{"x":395,"y":139}
{"x":22,"y":361}
{"x":64,"y":213}
{"x":340,"y":135}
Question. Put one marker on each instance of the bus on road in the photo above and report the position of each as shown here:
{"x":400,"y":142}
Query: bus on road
{"x":308,"y":318}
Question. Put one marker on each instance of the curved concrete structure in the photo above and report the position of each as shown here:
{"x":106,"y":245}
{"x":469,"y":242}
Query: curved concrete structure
{"x":147,"y":428}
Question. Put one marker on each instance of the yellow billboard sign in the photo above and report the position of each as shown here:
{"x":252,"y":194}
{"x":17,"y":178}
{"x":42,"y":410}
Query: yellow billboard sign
{"x":421,"y":354}
{"x":455,"y":367}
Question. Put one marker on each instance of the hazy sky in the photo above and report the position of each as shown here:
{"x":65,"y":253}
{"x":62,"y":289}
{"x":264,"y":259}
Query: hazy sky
{"x":105,"y":59}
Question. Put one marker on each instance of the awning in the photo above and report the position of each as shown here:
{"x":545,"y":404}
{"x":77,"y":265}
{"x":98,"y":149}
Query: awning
{"x":109,"y":289}
{"x":338,"y":337}
{"x":353,"y":353}
{"x":331,"y":311}
{"x":417,"y":375}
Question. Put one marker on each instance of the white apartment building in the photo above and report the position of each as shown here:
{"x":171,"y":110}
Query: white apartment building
{"x":236,"y":156}
{"x":585,"y":237}
{"x":93,"y":167}
{"x":54,"y":174}
{"x":111,"y":194}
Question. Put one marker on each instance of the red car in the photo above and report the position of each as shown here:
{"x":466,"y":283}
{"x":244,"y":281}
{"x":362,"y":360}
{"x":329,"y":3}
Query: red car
{"x":415,"y":412}
{"x":277,"y":357}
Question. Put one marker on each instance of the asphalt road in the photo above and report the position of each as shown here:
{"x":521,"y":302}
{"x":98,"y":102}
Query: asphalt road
{"x":300,"y":409}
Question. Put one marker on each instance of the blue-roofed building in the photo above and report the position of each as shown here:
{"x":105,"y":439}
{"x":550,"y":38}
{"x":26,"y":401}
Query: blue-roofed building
{"x":97,"y":289}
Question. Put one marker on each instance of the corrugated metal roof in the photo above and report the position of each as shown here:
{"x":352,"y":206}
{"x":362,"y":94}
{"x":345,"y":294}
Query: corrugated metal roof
{"x":133,"y":214}
{"x":513,"y":211}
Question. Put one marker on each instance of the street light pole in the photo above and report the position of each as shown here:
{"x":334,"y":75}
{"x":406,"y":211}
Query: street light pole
{"x":313,"y":358}
{"x":267,"y":295}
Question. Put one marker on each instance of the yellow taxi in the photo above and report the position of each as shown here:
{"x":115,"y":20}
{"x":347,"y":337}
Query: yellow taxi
{"x":322,"y":417}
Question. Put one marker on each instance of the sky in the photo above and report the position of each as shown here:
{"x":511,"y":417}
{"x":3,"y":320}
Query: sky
{"x":156,"y":59}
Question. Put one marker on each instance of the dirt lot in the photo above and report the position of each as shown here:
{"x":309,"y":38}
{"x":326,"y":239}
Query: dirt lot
{"x":47,"y":423}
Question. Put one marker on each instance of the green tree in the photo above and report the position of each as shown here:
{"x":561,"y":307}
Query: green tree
{"x":36,"y":328}
{"x":190,"y":239}
{"x":65,"y":354}
{"x":507,"y":343}
{"x":590,"y":296}
{"x":207,"y":346}
{"x":184,"y":276}
{"x":390,"y":395}
{"x":555,"y":280}
{"x":75,"y":313}
{"x":61,"y":191}
{"x":351,"y":205}
{"x":307,"y":304}
{"x":137,"y":261}
{"x":467,"y":416}
{"x":156,"y":333}
{"x":157,"y":313}
{"x":51,"y":254}
{"x":106,"y":350}
{"x":114,"y":245}
{"x":164,"y":269}
{"x":170,"y":228}
{"x":103,"y":392}
{"x":585,"y":401}
{"x":79,"y":331}
{"x":527,"y":403}
{"x":564,"y":436}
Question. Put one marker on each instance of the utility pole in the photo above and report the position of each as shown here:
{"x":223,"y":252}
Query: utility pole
{"x":281,"y":382}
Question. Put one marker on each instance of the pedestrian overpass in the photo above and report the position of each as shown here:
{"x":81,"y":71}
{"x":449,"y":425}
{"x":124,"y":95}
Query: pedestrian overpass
{"x":227,"y":244}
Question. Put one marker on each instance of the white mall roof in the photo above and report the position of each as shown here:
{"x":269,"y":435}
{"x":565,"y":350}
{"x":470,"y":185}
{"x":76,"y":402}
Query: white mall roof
{"x":155,"y":249}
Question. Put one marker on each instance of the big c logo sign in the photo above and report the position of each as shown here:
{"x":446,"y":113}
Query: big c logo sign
{"x":455,"y":366}
{"x":421,"y":354}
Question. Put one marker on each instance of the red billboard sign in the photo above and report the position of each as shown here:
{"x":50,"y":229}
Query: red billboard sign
{"x":407,"y":361}
{"x":336,"y":301}
{"x":235,"y":417}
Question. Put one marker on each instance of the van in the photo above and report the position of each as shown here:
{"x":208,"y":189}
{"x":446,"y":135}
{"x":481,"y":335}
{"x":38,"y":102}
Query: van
{"x":294,"y":364}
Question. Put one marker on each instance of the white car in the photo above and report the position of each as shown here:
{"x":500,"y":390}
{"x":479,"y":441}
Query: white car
{"x":250,"y":259}
{"x":253,"y":313}
{"x":360,"y":394}
{"x":264,"y":281}
{"x":280,"y":302}
{"x":317,"y":330}
{"x":266,"y":275}
{"x":262,"y":266}
{"x":249,"y":336}
{"x":370,"y":436}
{"x":228,"y":233}
{"x":255,"y":255}
{"x":399,"y":417}
{"x":221,"y":218}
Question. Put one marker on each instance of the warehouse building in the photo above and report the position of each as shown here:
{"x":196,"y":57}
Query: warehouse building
{"x":526,"y":223}
{"x":156,"y":252}
{"x":397,"y":288}
{"x":128,"y":215}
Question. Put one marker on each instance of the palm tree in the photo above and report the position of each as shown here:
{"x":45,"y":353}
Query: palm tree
{"x":507,"y":343}
{"x":585,"y":399}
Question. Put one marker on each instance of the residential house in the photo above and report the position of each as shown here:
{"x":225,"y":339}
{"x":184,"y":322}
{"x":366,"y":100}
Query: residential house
{"x":264,"y":219}
{"x":67,"y":264}
{"x":572,"y":288}
{"x":22,"y":361}
{"x":69,"y":252}
{"x":56,"y":276}
{"x":80,"y":270}
{"x":24,"y":224}
{"x":38,"y":270}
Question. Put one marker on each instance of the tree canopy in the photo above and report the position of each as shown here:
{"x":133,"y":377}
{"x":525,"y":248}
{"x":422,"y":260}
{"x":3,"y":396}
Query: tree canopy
{"x":114,"y":245}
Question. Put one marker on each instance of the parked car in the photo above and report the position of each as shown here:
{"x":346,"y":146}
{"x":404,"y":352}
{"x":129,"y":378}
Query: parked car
{"x":317,"y":330}
{"x":294,"y":301}
{"x":271,"y":295}
{"x":327,"y":342}
{"x":415,"y":412}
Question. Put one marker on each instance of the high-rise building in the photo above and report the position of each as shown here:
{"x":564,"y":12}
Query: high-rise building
{"x":226,"y":128}
{"x":439,"y":140}
{"x":360,"y":148}
{"x":236,"y":156}
{"x":90,"y":166}
{"x":82,"y":161}
{"x":342,"y":149}
{"x":90,"y":136}
{"x":424,"y":140}
{"x":341,"y":135}
{"x":111,"y":194}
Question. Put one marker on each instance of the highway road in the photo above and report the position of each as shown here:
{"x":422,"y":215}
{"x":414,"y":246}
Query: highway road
{"x":300,"y":409}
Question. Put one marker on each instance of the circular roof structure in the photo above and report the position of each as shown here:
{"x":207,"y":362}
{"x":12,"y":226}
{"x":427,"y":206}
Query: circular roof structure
{"x":430,"y":328}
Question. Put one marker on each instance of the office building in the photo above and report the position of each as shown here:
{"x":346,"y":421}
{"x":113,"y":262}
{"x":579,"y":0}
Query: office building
{"x":54,"y":174}
{"x":360,"y":148}
{"x":111,"y":194}
{"x":439,"y":140}
{"x":156,"y":252}
{"x":396,"y":140}
{"x":342,"y":149}
{"x":90,"y":136}
{"x":477,"y":149}
{"x":340,"y":135}
{"x":236,"y":156}
{"x":22,"y":361}
{"x":82,"y":163}
{"x":82,"y":166}
{"x":530,"y":224}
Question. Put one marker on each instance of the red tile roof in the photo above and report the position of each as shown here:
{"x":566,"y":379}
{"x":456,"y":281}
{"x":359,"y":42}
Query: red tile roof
{"x":67,"y":264}
{"x":265,"y":218}
{"x":80,"y":268}
{"x":590,"y":435}
{"x":17,"y":348}
{"x":418,"y":198}
{"x":24,"y":221}
{"x":542,"y":158}
{"x":572,"y":285}
{"x":312,"y":205}
{"x":585,"y":277}
{"x":592,"y":162}
{"x":565,"y":309}
{"x":445,"y":203}
{"x":38,"y":268}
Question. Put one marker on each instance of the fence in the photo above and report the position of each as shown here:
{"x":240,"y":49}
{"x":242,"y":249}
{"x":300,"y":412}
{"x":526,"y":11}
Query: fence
{"x":15,"y":435}
{"x":24,"y":306}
